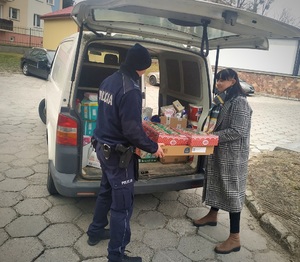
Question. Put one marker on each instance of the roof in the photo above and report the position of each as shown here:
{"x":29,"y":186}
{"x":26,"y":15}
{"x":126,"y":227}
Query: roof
{"x":66,"y":12}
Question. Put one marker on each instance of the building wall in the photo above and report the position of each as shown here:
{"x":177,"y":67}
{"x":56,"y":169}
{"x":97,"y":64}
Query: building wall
{"x":17,"y":4}
{"x":56,"y":30}
{"x":278,"y":85}
{"x":27,"y":9}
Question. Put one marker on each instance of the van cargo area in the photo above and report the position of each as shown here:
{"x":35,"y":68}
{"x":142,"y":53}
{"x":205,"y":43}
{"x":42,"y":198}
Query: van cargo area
{"x":181,"y":81}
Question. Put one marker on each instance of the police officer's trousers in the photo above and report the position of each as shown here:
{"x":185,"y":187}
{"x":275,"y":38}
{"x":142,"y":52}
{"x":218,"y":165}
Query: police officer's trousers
{"x":116,"y":195}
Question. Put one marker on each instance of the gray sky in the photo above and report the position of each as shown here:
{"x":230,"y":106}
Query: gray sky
{"x":293,"y":6}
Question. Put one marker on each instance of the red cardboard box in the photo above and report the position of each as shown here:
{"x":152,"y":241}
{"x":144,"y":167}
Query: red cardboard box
{"x":199,"y":139}
{"x":162,"y":134}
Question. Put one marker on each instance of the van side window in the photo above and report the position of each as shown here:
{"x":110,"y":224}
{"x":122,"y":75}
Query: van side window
{"x":191,"y":78}
{"x":59,"y":67}
{"x":173,"y":74}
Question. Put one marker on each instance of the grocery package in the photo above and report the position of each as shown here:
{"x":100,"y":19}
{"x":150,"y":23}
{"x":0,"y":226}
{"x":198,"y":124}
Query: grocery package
{"x":93,"y":160}
{"x":91,"y":96}
{"x":86,"y":152}
{"x":194,"y":112}
{"x":178,"y":106}
{"x":173,"y":121}
{"x":88,"y":127}
{"x":168,"y":111}
{"x":147,"y":113}
{"x":89,"y":110}
{"x":145,"y":157}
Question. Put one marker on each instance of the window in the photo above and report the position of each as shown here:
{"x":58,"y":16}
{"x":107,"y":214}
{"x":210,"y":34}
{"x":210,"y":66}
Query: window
{"x":36,"y":20}
{"x":50,"y":2}
{"x":14,"y":13}
{"x":1,"y":11}
{"x":60,"y":66}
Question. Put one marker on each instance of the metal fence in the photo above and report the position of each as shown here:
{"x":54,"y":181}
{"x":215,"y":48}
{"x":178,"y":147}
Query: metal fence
{"x":20,"y":36}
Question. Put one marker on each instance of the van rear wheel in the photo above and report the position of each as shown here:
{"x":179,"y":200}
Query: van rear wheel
{"x":42,"y":110}
{"x":50,"y":184}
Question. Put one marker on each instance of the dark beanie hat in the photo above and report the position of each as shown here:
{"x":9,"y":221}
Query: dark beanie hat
{"x":138,"y":58}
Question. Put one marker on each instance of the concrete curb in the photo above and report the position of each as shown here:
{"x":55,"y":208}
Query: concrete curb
{"x":271,"y":225}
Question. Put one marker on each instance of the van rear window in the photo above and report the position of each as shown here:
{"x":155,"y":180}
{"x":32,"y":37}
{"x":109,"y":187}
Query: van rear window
{"x":102,"y":56}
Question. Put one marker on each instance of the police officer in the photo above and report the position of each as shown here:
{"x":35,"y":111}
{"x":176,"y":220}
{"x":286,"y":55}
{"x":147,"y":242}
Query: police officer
{"x":119,"y":122}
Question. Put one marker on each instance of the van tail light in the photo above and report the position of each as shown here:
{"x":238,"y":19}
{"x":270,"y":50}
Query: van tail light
{"x":66,"y":133}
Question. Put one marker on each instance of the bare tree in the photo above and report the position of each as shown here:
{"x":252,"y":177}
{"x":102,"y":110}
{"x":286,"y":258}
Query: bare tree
{"x":261,"y":7}
{"x":287,"y":18}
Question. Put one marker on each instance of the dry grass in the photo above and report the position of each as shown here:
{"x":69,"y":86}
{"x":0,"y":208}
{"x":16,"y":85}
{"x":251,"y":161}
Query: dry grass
{"x":10,"y":63}
{"x":274,"y":179}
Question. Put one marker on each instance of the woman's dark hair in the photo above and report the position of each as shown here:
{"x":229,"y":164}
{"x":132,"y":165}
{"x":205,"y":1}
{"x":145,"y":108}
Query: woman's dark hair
{"x":236,"y":89}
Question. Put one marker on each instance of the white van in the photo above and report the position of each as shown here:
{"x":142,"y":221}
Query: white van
{"x":179,"y":35}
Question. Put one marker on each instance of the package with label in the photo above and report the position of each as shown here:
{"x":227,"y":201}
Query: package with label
{"x":187,"y":150}
{"x":198,"y":138}
{"x":145,"y":157}
{"x":178,"y":106}
{"x":89,"y":110}
{"x":194,"y":112}
{"x":173,"y":122}
{"x":88,"y":127}
{"x":163,"y":134}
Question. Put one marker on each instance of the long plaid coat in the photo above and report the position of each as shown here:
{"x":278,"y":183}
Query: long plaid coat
{"x":227,"y":167}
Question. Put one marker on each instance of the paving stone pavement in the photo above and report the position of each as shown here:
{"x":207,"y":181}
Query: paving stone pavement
{"x":35,"y":226}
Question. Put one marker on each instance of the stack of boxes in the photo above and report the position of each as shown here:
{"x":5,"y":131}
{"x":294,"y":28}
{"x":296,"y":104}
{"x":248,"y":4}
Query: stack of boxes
{"x":89,"y":112}
{"x":178,"y":131}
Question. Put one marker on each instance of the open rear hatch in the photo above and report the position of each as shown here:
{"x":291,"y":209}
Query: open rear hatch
{"x":190,"y":23}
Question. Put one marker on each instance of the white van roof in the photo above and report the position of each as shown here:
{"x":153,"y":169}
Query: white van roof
{"x":183,"y":22}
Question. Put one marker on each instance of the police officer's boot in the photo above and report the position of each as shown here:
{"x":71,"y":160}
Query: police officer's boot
{"x":131,"y":259}
{"x":128,"y":259}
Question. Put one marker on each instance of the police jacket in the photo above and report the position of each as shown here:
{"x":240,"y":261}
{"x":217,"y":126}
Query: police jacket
{"x":119,"y":118}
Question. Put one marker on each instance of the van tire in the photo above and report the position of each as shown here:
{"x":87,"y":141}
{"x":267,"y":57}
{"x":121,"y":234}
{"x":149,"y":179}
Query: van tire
{"x":42,"y":111}
{"x":50,"y":185}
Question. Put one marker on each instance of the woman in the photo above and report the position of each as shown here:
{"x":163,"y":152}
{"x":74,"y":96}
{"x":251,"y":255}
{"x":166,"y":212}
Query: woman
{"x":226,"y":172}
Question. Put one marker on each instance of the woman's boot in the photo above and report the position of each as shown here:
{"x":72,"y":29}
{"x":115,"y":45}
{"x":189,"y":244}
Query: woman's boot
{"x":209,"y":220}
{"x":232,"y":244}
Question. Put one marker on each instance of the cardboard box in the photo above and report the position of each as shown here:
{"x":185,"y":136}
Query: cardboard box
{"x":174,"y":159}
{"x":89,"y":110}
{"x":88,"y":127}
{"x":179,"y":107}
{"x":187,"y":150}
{"x":159,"y":135}
{"x":199,"y":138}
{"x":173,"y":122}
{"x":145,"y":157}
